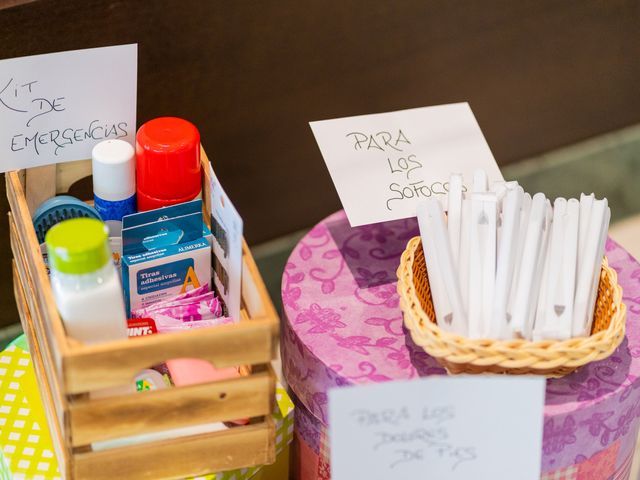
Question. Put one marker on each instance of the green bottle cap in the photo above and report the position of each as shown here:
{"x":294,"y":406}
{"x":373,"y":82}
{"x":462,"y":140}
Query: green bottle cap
{"x":78,"y":246}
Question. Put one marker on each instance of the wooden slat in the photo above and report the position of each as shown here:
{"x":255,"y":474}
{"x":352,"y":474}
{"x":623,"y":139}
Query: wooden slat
{"x":70,"y":172}
{"x":92,"y":367}
{"x":35,"y":264}
{"x":206,"y":187}
{"x":53,"y":415}
{"x":254,"y":291}
{"x":169,"y":459}
{"x":40,"y":185}
{"x":145,"y":412}
{"x":34,"y":326}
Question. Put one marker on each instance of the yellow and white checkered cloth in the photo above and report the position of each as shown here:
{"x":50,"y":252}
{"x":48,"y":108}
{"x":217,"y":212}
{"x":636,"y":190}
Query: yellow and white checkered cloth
{"x":24,"y":437}
{"x":25,"y":444}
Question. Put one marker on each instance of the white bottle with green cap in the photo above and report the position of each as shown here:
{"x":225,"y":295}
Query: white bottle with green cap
{"x":84,"y":280}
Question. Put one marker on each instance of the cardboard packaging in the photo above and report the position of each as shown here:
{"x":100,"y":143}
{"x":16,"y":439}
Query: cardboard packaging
{"x":165,"y":253}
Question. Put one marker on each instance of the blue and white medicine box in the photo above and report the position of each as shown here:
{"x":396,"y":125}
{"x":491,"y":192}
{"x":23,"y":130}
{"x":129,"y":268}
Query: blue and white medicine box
{"x":165,"y":252}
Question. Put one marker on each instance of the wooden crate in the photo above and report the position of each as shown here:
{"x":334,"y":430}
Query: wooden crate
{"x":67,"y":369}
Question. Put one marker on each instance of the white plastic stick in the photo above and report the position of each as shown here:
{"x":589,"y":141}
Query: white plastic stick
{"x":481,"y":262}
{"x":589,"y":266}
{"x":563,"y":306}
{"x":480,"y":181}
{"x":474,"y":289}
{"x":446,"y":267}
{"x":508,"y":245}
{"x":474,"y":285}
{"x":499,"y":187}
{"x":537,"y":279}
{"x":540,"y":319}
{"x":532,"y":244}
{"x":487,"y":234}
{"x":586,"y":203}
{"x":454,"y":215}
{"x":597,"y":269}
{"x":438,"y":292}
{"x":522,"y":233}
{"x":463,"y":263}
{"x":555,"y":264}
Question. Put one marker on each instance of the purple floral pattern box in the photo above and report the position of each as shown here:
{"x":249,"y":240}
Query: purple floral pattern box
{"x":343,"y":326}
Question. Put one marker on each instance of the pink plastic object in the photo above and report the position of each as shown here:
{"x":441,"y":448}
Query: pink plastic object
{"x":190,"y":371}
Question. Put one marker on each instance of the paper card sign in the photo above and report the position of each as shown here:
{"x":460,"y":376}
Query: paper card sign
{"x":444,"y":428}
{"x":226,"y":226}
{"x":383,"y":164}
{"x":54,"y":108}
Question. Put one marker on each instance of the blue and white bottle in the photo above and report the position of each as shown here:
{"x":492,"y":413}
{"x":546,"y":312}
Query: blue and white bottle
{"x":114,"y":182}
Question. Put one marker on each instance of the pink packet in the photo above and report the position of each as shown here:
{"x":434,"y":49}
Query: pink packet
{"x":207,"y":309}
{"x":191,"y":293}
{"x":199,"y":307}
{"x":181,"y":298}
{"x":167,"y":324}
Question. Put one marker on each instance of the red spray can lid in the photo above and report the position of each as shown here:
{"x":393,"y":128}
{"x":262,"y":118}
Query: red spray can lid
{"x":167,"y":162}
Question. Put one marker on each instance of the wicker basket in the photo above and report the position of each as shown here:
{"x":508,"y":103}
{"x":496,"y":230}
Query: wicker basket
{"x":463,"y":355}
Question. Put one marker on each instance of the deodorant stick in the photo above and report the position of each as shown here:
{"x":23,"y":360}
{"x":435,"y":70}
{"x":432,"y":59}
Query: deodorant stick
{"x":114,"y":182}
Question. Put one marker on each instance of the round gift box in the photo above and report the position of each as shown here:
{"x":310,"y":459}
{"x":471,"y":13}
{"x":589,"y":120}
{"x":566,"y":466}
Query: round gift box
{"x":343,"y":326}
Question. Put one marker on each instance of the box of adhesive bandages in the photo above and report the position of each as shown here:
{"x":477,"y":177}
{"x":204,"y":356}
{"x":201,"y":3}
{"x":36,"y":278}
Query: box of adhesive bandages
{"x":165,"y":252}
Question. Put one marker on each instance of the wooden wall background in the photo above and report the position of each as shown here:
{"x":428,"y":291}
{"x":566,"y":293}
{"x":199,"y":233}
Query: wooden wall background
{"x":539,"y":74}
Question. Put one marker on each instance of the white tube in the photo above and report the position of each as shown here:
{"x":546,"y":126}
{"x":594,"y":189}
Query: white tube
{"x":552,"y":279}
{"x":522,"y":233}
{"x":597,"y":269}
{"x":487,"y":234}
{"x":463,"y":264}
{"x":537,"y":282}
{"x":482,"y":248}
{"x":480,"y":181}
{"x":446,"y":267}
{"x":540,"y":318}
{"x":511,"y":214}
{"x":589,"y":267}
{"x":521,"y":307}
{"x":454,"y":215}
{"x":438,"y":292}
{"x":569,"y":267}
{"x":586,"y":203}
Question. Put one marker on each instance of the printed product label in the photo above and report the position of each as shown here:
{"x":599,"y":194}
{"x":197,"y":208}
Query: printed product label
{"x":115,"y":210}
{"x":164,"y":276}
{"x":139,"y":327}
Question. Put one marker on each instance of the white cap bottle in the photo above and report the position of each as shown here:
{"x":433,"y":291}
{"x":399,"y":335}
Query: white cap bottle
{"x":114,"y":182}
{"x":84,"y":281}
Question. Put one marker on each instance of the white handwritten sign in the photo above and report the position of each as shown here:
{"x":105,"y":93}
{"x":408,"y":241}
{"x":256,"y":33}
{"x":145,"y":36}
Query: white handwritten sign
{"x":444,"y":428}
{"x":54,"y":108}
{"x":383,"y":164}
